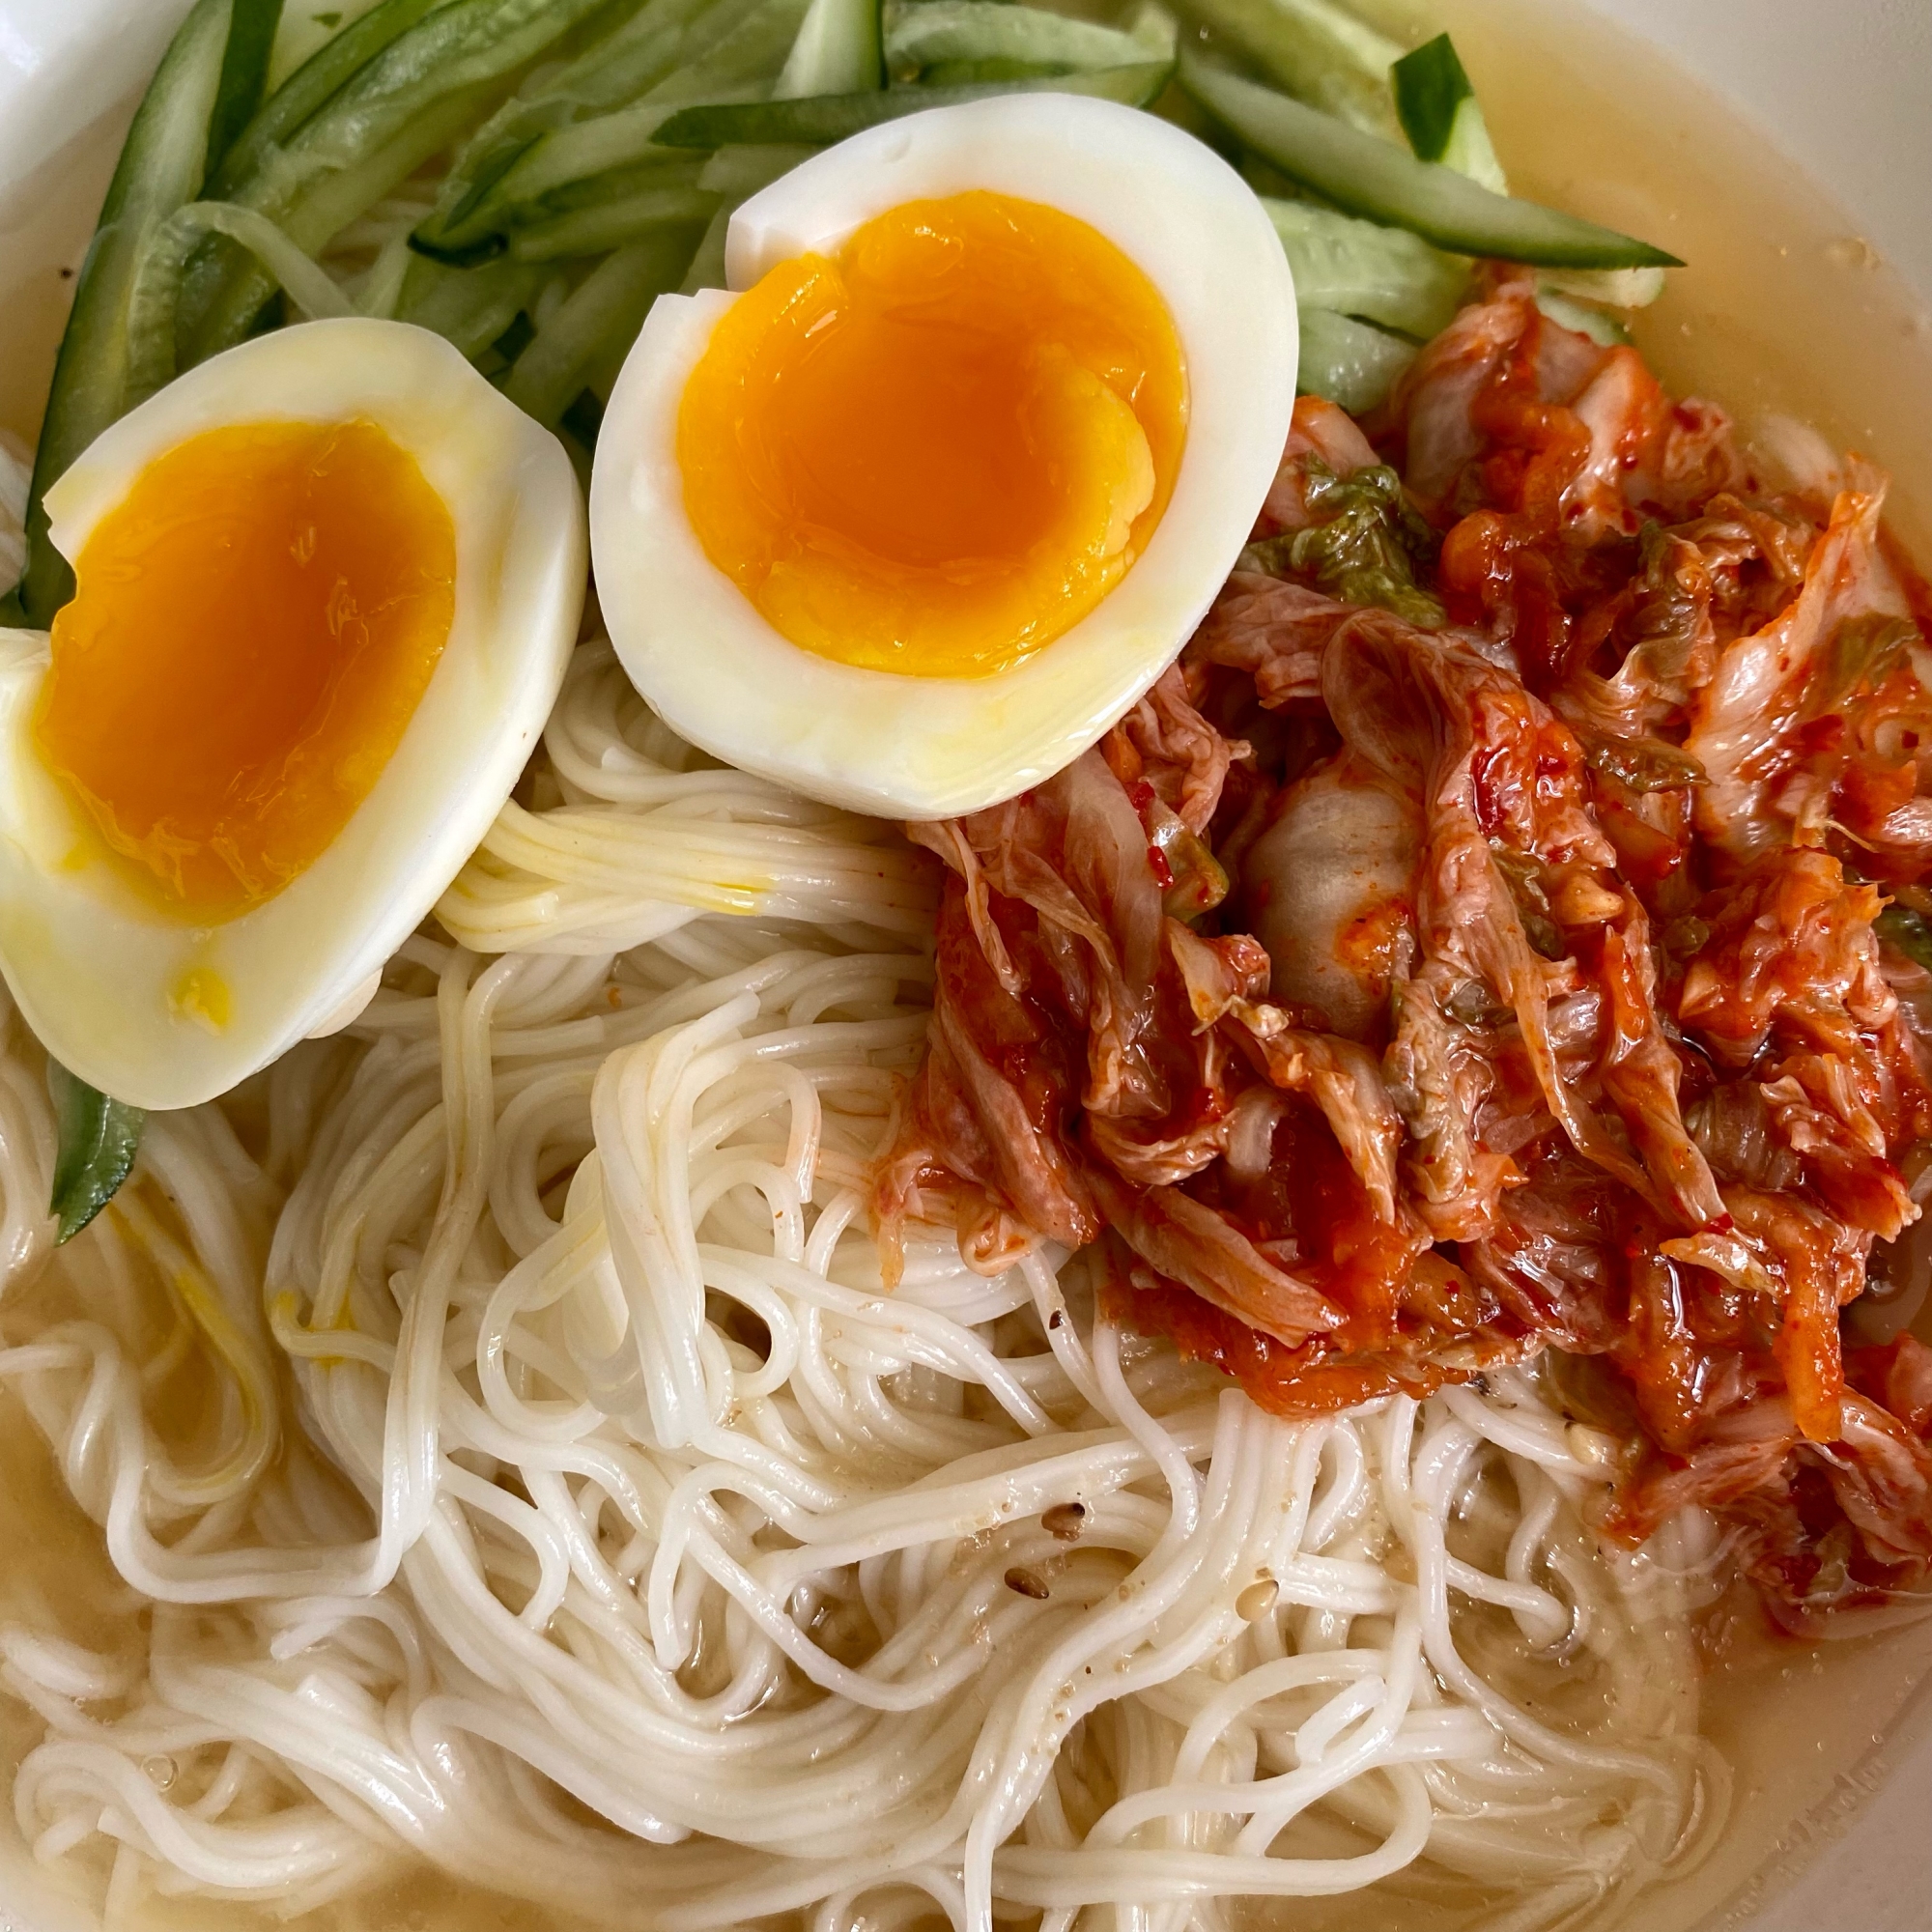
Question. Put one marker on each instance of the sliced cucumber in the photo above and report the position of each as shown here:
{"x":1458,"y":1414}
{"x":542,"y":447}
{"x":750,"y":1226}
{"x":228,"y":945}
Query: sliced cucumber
{"x":749,"y":59}
{"x":833,"y":117}
{"x":1442,"y":115}
{"x":1359,"y":267}
{"x":416,"y":98}
{"x":929,"y":33}
{"x":151,"y":311}
{"x":612,"y":224}
{"x":623,"y":65}
{"x":526,"y":174}
{"x":1352,"y":363}
{"x":163,"y":165}
{"x":1320,"y":51}
{"x":470,"y":307}
{"x":738,"y":172}
{"x":312,"y":86}
{"x":603,"y":314}
{"x":647,"y":52}
{"x":1368,"y":177}
{"x":840,"y":50}
{"x":99,"y":1140}
{"x":1614,"y":287}
{"x":707,"y":265}
{"x":1595,"y":322}
{"x":245,"y":77}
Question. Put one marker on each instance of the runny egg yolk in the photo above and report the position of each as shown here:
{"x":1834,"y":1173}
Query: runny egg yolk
{"x":254,"y":625}
{"x":938,"y":451}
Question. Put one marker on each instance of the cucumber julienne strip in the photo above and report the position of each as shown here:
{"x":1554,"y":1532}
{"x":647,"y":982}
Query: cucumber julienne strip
{"x":1350,"y":363}
{"x":618,"y":66}
{"x":840,"y":50}
{"x":929,"y":33}
{"x":99,"y":1140}
{"x":1317,"y":50}
{"x":312,"y":86}
{"x":831,"y":116}
{"x":1361,"y":269}
{"x":162,"y":168}
{"x":151,"y":311}
{"x":609,"y":305}
{"x":733,"y":53}
{"x":389,"y":108}
{"x":244,"y":73}
{"x":1442,"y":115}
{"x":610,"y":224}
{"x":1431,"y":86}
{"x":1363,"y":175}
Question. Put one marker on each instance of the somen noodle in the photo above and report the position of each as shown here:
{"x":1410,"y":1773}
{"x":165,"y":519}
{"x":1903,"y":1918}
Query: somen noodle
{"x":560,"y":1465}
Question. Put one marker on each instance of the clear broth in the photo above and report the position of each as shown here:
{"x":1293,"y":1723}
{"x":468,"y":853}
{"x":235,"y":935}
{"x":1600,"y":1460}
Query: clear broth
{"x":1784,"y":308}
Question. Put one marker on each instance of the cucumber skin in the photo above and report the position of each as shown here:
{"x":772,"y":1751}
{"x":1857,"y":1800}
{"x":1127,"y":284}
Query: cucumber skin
{"x":1361,"y":269}
{"x":840,"y":49}
{"x":99,"y":1140}
{"x":161,"y":166}
{"x":1316,"y":50}
{"x":1431,"y":85}
{"x":819,"y":120}
{"x":1375,"y":180}
{"x":1351,"y":364}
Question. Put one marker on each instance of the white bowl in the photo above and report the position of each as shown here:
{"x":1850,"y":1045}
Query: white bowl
{"x":1816,"y":302}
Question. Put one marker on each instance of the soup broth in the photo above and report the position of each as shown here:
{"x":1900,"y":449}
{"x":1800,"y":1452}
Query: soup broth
{"x":1782,"y":310}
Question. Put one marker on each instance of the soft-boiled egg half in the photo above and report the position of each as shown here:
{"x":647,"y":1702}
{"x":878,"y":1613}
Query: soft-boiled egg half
{"x":909,"y":515}
{"x":328,"y":584}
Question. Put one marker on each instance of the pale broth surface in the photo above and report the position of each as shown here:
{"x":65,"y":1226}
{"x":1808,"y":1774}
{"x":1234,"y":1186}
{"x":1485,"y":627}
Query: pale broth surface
{"x":1783,"y":308}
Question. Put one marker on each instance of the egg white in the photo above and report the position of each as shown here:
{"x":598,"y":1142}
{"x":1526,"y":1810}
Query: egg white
{"x":95,"y":967}
{"x":717,"y":671}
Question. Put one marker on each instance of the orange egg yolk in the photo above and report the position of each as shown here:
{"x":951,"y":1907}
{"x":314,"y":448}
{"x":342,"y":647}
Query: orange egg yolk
{"x":254,"y":625}
{"x":938,"y":451}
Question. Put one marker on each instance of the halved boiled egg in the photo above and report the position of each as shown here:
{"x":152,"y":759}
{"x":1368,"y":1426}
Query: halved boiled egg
{"x":910,"y":515}
{"x":328,"y":584}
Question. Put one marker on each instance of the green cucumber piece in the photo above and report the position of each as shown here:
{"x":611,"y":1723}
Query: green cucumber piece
{"x":612,"y":225}
{"x":707,"y":265}
{"x":1352,"y":363}
{"x":602,"y":316}
{"x":613,"y":72}
{"x":469,"y":307}
{"x":416,"y":98}
{"x":163,"y":162}
{"x":1362,"y":175}
{"x":840,"y":50}
{"x":738,"y":172}
{"x":1612,"y":287}
{"x":647,"y":54}
{"x":833,"y":117}
{"x":542,"y":166}
{"x":99,"y":1140}
{"x":245,"y":77}
{"x":311,"y":87}
{"x":1362,"y":269}
{"x":977,"y":72}
{"x":1316,"y":50}
{"x":1595,"y":322}
{"x":1441,"y":116}
{"x":150,"y":310}
{"x":945,"y":33}
{"x":749,"y":57}
{"x":737,"y":63}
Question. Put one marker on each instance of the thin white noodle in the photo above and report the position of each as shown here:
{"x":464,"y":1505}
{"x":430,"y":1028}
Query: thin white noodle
{"x":558,"y":1436}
